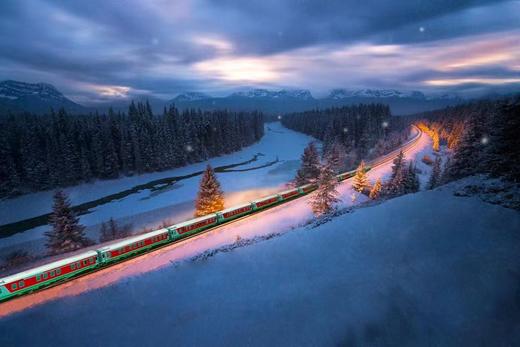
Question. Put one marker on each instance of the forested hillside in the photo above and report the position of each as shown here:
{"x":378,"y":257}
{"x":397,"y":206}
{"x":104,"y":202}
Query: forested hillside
{"x":362,"y":130}
{"x":483,"y":137}
{"x":58,"y":149}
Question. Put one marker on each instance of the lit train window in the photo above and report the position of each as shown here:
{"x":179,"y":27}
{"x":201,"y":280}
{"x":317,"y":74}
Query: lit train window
{"x":22,"y":284}
{"x":58,"y":271}
{"x":45,"y":276}
{"x":73,"y":266}
{"x":13,"y":286}
{"x":91,"y":260}
{"x":53,"y":273}
{"x":85,"y":262}
{"x":38,"y":278}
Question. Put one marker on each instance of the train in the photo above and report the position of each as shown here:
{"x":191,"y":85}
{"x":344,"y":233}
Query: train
{"x":65,"y":269}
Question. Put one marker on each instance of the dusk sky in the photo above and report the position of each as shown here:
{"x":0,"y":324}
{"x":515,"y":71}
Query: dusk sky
{"x":100,"y":49}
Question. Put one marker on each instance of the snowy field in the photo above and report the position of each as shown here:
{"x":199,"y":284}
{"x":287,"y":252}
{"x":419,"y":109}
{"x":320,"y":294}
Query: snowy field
{"x":147,"y":208}
{"x":423,"y":269}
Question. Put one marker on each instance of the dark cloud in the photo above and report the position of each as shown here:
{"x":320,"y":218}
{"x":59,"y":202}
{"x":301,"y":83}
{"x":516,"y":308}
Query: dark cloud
{"x":154,"y":46}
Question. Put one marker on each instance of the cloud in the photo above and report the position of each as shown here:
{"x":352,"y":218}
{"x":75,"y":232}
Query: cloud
{"x":165,"y":47}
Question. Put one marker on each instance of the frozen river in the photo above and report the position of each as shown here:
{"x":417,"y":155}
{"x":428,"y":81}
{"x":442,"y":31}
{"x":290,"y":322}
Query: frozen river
{"x":277,"y":159}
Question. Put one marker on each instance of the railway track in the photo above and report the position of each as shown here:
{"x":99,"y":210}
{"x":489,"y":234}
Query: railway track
{"x":104,"y":267}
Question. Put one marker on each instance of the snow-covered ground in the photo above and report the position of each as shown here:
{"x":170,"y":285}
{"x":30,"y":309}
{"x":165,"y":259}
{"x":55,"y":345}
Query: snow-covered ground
{"x":278,"y":219}
{"x":147,"y":208}
{"x":423,"y":269}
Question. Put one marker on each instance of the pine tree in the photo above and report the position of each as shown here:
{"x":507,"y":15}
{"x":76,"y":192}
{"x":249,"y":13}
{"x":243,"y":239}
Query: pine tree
{"x":467,"y":159}
{"x":336,"y":156}
{"x":376,"y":190}
{"x":398,"y":166}
{"x":57,"y":149}
{"x":9,"y":180}
{"x":435,"y":177}
{"x":503,"y":150}
{"x":324,"y":198}
{"x":444,"y":173}
{"x":361,"y":179}
{"x":66,"y":234}
{"x":110,"y":231}
{"x":411,"y":184}
{"x":210,"y":198}
{"x":310,"y":168}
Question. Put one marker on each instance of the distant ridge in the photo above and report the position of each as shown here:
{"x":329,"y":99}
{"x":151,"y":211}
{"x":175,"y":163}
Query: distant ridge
{"x":18,"y":96}
{"x":283,"y":101}
{"x":41,"y":97}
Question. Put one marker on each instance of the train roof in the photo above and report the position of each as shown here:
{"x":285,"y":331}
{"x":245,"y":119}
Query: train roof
{"x":47,"y":267}
{"x":133,"y":239}
{"x":266,"y":197}
{"x":232,"y":208}
{"x":194,"y":220}
{"x":287,"y":191}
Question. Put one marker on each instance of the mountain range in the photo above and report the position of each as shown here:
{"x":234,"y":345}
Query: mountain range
{"x":282,"y":101}
{"x":41,"y":97}
{"x":34,"y":97}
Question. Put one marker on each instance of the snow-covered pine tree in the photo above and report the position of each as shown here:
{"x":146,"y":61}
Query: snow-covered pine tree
{"x":376,"y":190}
{"x":396,"y":185}
{"x":435,"y":177}
{"x":503,"y":149}
{"x":66,"y":234}
{"x":398,"y":166}
{"x":323,"y":199}
{"x":310,"y":168}
{"x":110,"y":231}
{"x":360,"y":179}
{"x":210,"y":198}
{"x":467,"y":158}
{"x":9,"y":180}
{"x":336,"y":156}
{"x":411,"y":184}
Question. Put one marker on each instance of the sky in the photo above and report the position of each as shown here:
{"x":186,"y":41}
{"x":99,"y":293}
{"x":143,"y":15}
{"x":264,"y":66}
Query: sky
{"x":100,"y":50}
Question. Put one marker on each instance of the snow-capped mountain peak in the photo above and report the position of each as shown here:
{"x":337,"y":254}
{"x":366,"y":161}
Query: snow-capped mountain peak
{"x":338,"y":94}
{"x":14,"y":90}
{"x":301,"y":94}
{"x":191,"y":96}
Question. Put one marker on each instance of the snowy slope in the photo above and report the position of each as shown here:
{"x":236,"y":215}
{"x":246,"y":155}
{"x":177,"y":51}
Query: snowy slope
{"x":423,"y":269}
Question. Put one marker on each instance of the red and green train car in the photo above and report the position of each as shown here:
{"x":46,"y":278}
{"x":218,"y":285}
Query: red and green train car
{"x":62,"y":270}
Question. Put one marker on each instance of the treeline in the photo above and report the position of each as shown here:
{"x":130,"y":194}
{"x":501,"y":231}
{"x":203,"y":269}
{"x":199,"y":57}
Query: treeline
{"x":483,"y":136}
{"x":362,"y":131}
{"x":57,"y":150}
